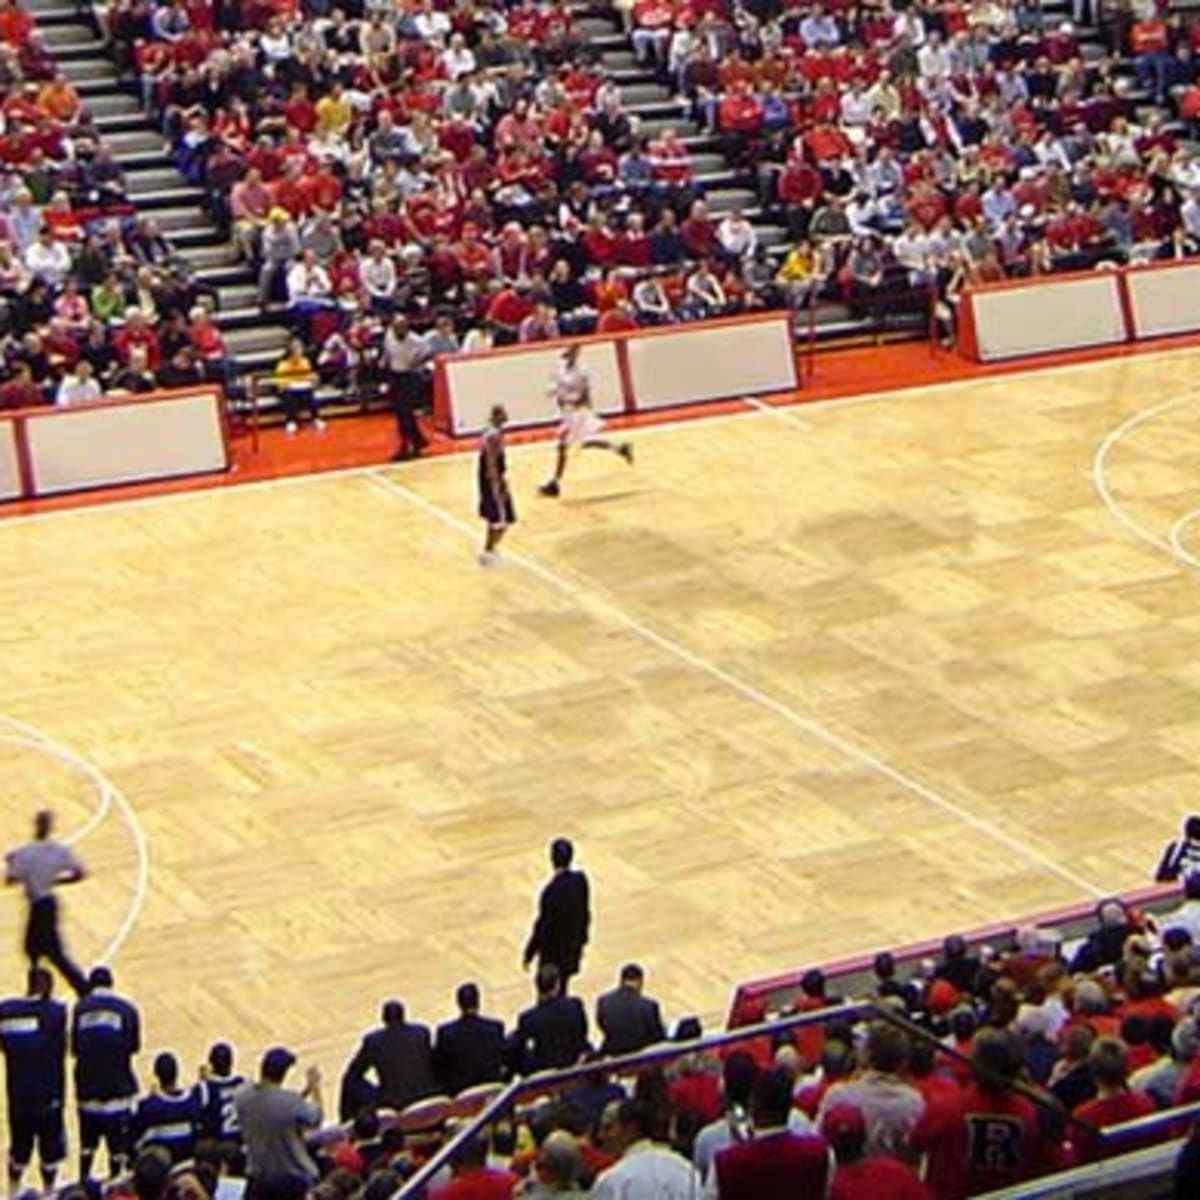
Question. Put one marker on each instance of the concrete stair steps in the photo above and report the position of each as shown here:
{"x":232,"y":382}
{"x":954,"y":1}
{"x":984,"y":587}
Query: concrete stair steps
{"x":77,"y":53}
{"x":633,"y":94}
{"x":236,"y":296}
{"x":92,"y":69}
{"x":67,"y":33}
{"x":219,"y":256}
{"x":106,"y":99}
{"x":722,"y":200}
{"x":257,"y":339}
{"x":111,"y":123}
{"x":130,"y":145}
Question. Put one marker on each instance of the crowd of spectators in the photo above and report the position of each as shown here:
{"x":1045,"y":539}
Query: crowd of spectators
{"x":474,"y":166}
{"x":995,"y":1067}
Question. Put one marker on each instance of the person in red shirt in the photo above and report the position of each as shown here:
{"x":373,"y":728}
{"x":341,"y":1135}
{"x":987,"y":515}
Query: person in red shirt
{"x":837,"y":1064}
{"x":473,"y":1179}
{"x":698,"y":232}
{"x":137,"y":332}
{"x":858,"y":1177}
{"x":775,"y":1163}
{"x":1152,"y":59}
{"x":299,"y":111}
{"x":1108,"y":1062}
{"x":995,"y":1139}
{"x":618,"y":319}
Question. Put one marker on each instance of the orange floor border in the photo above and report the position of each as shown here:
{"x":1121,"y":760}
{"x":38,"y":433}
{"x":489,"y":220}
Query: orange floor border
{"x":371,"y":440}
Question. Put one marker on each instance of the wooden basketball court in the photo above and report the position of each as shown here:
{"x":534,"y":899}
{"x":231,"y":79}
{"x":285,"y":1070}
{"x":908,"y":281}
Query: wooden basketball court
{"x":803,"y":682}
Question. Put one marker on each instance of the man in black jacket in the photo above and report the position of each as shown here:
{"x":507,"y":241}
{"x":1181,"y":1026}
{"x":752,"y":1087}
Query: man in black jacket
{"x":629,"y":1020}
{"x":470,"y":1050}
{"x":564,"y":916}
{"x":553,"y":1033}
{"x":400,"y":1056}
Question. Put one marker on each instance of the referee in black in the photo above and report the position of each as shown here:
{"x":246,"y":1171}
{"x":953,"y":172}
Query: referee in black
{"x":41,"y":866}
{"x":33,"y":1037}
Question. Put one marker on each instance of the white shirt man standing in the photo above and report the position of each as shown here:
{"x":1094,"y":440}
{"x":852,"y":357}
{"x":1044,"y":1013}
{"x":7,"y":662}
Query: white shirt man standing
{"x":646,"y":1167}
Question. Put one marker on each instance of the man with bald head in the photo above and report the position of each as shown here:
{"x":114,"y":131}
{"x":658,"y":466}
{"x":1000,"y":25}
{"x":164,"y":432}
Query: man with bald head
{"x":40,"y":866}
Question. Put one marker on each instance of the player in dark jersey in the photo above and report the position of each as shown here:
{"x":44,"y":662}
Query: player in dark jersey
{"x":106,"y":1032}
{"x":172,"y":1117}
{"x":33,"y":1037}
{"x":495,"y":500}
{"x":222,"y":1083}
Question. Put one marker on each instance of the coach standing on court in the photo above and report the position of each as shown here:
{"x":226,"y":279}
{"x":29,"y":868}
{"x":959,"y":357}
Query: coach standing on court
{"x":40,"y":866}
{"x":564,"y":916}
{"x":33,"y":1037}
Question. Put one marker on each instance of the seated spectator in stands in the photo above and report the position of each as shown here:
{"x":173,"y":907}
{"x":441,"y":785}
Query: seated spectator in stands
{"x":137,"y":332}
{"x":296,"y":380}
{"x":646,"y":1166}
{"x":863,"y":274}
{"x":377,"y":271}
{"x":136,"y":377}
{"x":736,"y":239}
{"x":829,"y":222}
{"x":470,"y":1049}
{"x":857,"y":1177}
{"x":250,"y":207}
{"x":473,"y":1179}
{"x":553,"y":1033}
{"x":890,"y":1106}
{"x":739,"y":1078}
{"x":557,"y":1171}
{"x":650,"y":301}
{"x":703,"y":297}
{"x":20,"y":390}
{"x":170,"y":1117}
{"x":1177,"y":1047}
{"x":539,"y":326}
{"x":619,"y":319}
{"x":1103,"y":945}
{"x":399,"y":1057}
{"x":309,"y":289}
{"x":78,"y":386}
{"x":667,"y":247}
{"x":996,"y":1139}
{"x":208,"y":345}
{"x":775,"y":1161}
{"x":279,"y":246}
{"x":958,"y":966}
{"x":48,"y":259}
{"x":1108,"y":1061}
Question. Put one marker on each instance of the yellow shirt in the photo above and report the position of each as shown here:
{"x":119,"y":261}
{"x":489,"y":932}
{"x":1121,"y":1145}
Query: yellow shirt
{"x":333,"y":116}
{"x":797,"y":267}
{"x":294,"y":369}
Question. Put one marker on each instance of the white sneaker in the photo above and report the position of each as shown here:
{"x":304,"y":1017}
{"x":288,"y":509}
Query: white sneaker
{"x":318,"y":424}
{"x":488,"y":558}
{"x":290,"y":428}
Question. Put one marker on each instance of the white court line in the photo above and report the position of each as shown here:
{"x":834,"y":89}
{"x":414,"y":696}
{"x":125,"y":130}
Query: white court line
{"x":112,"y":794}
{"x":747,"y":691}
{"x":782,"y":413}
{"x":695,"y":420}
{"x":1100,"y":477}
{"x":1180,"y":551}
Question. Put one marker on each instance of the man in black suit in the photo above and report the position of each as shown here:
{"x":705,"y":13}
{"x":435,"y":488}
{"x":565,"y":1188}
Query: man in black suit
{"x":553,"y":1033}
{"x":400,"y":1057}
{"x":469,"y":1050}
{"x":564,"y":915}
{"x":629,"y":1020}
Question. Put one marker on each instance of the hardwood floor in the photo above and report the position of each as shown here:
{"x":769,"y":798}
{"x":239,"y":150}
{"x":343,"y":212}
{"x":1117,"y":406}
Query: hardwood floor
{"x":800,"y":683}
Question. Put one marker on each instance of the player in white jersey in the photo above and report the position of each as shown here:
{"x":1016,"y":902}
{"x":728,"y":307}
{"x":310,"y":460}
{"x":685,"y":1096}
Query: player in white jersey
{"x":572,"y":390}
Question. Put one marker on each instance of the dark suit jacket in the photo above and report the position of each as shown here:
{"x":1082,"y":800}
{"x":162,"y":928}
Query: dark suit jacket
{"x":553,"y":1033}
{"x":402,"y":1059}
{"x":468,"y":1051}
{"x":628,"y":1021}
{"x":561,"y":929}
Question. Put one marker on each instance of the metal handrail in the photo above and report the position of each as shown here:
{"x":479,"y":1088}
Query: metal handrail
{"x":1165,"y":1117}
{"x":545,"y":1080}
